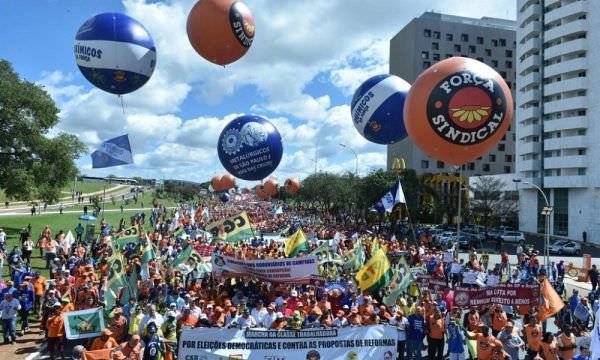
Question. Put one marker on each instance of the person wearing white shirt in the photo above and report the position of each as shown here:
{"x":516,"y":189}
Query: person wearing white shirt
{"x":258,"y":313}
{"x":244,"y":321}
{"x":152,"y":316}
{"x":2,"y":237}
{"x":340,"y":320}
{"x":401,"y":324}
{"x":269,"y":317}
{"x":10,"y":307}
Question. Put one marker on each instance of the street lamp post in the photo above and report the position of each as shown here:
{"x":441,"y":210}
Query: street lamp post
{"x":546,"y":211}
{"x":355,"y":158}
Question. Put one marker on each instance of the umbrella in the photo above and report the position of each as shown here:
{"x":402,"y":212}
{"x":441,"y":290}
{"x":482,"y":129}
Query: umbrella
{"x":87,"y":217}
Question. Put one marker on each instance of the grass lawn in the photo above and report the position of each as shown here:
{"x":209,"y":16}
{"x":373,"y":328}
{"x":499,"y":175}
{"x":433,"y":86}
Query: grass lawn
{"x":13,"y":225}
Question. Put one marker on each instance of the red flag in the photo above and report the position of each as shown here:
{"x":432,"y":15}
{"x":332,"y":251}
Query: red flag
{"x":552,"y":302}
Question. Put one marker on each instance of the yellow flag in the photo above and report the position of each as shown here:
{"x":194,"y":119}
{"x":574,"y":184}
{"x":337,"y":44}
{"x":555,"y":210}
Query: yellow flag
{"x":376,"y":273}
{"x":295,"y":244}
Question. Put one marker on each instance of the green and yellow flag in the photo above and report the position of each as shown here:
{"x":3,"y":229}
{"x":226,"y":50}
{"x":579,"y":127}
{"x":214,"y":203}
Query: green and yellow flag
{"x":127,"y":236}
{"x":117,"y":286}
{"x":296,"y":244}
{"x":146,"y":249}
{"x":376,"y":273}
{"x":189,"y":254}
{"x":232,"y":229}
{"x":354,"y":259}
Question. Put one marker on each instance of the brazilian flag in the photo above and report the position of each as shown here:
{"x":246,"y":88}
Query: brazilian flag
{"x":354,"y":259}
{"x":296,"y":244}
{"x":376,"y":273}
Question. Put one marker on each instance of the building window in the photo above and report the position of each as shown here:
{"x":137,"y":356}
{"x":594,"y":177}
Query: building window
{"x":561,"y":212}
{"x":495,"y":63}
{"x":501,"y":147}
{"x":426,"y":64}
{"x":492,"y":158}
{"x":480,"y":40}
{"x":488,"y":52}
{"x":486,"y":167}
{"x":581,"y":171}
{"x":427,"y":33}
{"x":508,"y":158}
{"x":464,"y":37}
{"x":472,"y":49}
{"x":457,"y":47}
{"x":502,"y":42}
{"x":509,"y":53}
{"x":435,"y":56}
{"x":507,"y":170}
{"x":471,"y":166}
{"x":440,"y":164}
{"x":503,"y":74}
{"x":580,"y":151}
{"x":508,"y":64}
{"x":425,"y":54}
{"x":449,"y":37}
{"x":435,"y":46}
{"x":424,"y":164}
{"x":436,"y":34}
{"x":494,"y":43}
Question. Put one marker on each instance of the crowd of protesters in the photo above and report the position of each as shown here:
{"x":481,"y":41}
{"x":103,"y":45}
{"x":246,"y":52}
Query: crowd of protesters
{"x":170,"y":299}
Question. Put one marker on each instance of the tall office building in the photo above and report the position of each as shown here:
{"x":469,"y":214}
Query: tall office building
{"x":433,"y":37}
{"x":557,"y":96}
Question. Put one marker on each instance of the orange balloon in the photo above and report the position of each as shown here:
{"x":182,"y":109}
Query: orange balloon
{"x":291,"y":186}
{"x":271,"y":187}
{"x":261,"y":192}
{"x":216,"y":182}
{"x":227,"y":182}
{"x":221,"y":31}
{"x":457,"y":110}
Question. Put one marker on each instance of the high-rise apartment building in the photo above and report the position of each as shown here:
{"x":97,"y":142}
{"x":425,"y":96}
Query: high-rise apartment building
{"x":558,"y":48}
{"x":433,"y":37}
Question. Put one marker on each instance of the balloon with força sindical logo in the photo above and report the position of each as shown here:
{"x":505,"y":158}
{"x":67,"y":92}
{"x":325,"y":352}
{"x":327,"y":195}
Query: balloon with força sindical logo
{"x":250,"y":147}
{"x":115,"y":53}
{"x":221,"y":31}
{"x":378,"y":109}
{"x":457,"y":110}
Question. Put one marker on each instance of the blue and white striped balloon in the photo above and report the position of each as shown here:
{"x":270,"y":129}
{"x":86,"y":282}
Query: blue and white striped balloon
{"x":378,"y":109}
{"x":115,"y":53}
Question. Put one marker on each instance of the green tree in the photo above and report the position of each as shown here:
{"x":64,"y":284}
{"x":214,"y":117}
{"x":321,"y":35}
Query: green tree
{"x":489,"y":203}
{"x":31,"y":163}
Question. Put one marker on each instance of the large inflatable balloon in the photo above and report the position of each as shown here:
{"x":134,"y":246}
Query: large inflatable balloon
{"x":261,"y":192}
{"x":271,"y":187}
{"x":227,"y":182}
{"x":224,"y":197}
{"x":115,"y":53}
{"x":250,"y":147}
{"x":378,"y":109}
{"x":215,"y":182}
{"x":458,"y":109}
{"x":221,"y":31}
{"x":291,"y":186}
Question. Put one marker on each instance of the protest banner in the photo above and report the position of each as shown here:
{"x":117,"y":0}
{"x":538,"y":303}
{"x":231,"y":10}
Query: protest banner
{"x":505,"y":294}
{"x":84,"y":323}
{"x":232,"y":229}
{"x":296,"y":270}
{"x":368,"y":342}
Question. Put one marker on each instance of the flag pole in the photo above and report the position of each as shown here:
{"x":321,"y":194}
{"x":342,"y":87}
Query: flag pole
{"x":103,"y":198}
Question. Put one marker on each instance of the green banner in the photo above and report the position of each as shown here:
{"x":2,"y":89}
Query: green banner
{"x":84,"y":323}
{"x":233,"y":229}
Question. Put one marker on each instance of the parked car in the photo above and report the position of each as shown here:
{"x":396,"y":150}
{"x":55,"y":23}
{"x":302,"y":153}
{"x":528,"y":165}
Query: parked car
{"x":565,"y":247}
{"x":513,"y":236}
{"x":447,"y":238}
{"x":467,"y":241}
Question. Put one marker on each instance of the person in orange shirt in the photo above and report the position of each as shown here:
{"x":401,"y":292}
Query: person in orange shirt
{"x":118,"y":325}
{"x":485,"y":342}
{"x":39,"y":288}
{"x":533,"y":337}
{"x":567,"y":343}
{"x":499,"y":319}
{"x":549,"y":347}
{"x":105,"y":341}
{"x":436,"y":327}
{"x":56,"y":331}
{"x":67,"y":305}
{"x":133,"y":349}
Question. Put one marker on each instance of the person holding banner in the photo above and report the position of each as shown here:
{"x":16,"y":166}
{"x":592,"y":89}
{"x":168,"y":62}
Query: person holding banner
{"x":56,"y":331}
{"x":436,"y":328}
{"x":401,"y":324}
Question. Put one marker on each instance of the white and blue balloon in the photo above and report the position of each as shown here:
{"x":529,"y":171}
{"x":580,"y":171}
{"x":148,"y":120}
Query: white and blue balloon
{"x":378,"y":109}
{"x":115,"y":53}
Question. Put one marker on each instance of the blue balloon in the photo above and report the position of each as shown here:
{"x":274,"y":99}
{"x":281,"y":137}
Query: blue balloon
{"x":378,"y":109}
{"x":115,"y":53}
{"x":224,"y":197}
{"x":250,"y":147}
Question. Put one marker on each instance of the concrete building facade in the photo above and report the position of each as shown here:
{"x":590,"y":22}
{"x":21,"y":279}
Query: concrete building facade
{"x":558,"y":48}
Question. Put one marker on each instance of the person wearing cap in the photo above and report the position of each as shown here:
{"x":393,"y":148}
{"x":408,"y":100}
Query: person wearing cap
{"x":511,"y":341}
{"x":55,"y":332}
{"x":132,"y":349}
{"x":153,"y":349}
{"x":415,"y":334}
{"x":584,"y":353}
{"x":118,"y":325}
{"x":340,"y":319}
{"x":280,"y":322}
{"x":582,"y":315}
{"x":26,"y":300}
{"x":295,"y":322}
{"x":77,"y":352}
{"x":293,"y":300}
{"x":105,"y":341}
{"x":169,"y":333}
{"x":151,"y":317}
{"x":10,"y":307}
{"x":243,"y":321}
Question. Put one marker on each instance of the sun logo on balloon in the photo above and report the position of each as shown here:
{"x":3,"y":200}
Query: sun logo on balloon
{"x":375,"y":126}
{"x":119,"y":76}
{"x":470,"y":113}
{"x":249,"y":26}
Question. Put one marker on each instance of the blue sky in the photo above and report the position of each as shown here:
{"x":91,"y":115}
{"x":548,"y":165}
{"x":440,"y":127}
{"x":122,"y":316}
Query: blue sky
{"x":307,"y":59}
